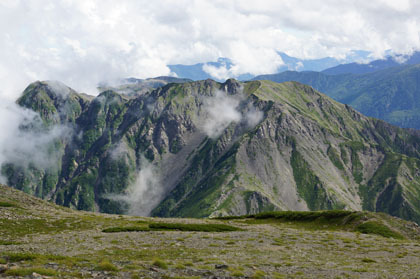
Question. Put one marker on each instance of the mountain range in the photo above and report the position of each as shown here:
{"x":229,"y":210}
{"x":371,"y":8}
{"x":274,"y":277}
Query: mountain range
{"x":357,"y":62}
{"x":206,"y":148}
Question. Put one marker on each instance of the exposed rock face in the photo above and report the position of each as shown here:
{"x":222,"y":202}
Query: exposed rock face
{"x":208,"y":149}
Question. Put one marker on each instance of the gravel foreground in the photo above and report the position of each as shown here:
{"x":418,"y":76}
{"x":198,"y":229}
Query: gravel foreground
{"x":42,"y":240}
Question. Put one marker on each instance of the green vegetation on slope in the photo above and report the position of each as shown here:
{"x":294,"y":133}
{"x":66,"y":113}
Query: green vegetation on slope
{"x":308,"y":184}
{"x":363,"y":222}
{"x":373,"y":227}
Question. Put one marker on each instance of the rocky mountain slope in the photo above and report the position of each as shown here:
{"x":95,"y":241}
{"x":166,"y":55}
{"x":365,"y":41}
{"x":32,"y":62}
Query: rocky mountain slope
{"x":208,"y":149}
{"x":42,"y":240}
{"x":391,"y":94}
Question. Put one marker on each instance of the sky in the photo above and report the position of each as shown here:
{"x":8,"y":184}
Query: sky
{"x":82,"y":43}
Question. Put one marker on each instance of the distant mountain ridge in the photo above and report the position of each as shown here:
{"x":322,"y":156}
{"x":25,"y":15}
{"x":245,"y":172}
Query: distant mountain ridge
{"x":357,"y":62}
{"x":212,"y":149}
{"x":197,"y":71}
{"x":391,"y":94}
{"x":373,"y":66}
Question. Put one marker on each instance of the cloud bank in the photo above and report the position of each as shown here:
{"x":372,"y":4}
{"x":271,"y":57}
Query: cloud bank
{"x":83,"y":42}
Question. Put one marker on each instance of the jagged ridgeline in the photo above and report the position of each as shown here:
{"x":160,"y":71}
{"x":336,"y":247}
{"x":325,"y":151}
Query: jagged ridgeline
{"x":207,"y":149}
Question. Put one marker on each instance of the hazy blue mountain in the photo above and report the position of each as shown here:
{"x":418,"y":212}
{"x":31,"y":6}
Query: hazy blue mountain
{"x":373,"y":66}
{"x":391,"y":94}
{"x":196,"y":72}
{"x":292,"y":63}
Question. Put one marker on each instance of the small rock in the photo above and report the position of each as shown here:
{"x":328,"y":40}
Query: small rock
{"x":153,"y":269}
{"x":36,"y":276}
{"x":3,"y":268}
{"x":221,"y":266}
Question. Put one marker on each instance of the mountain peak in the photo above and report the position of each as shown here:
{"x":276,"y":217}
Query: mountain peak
{"x":53,"y":100}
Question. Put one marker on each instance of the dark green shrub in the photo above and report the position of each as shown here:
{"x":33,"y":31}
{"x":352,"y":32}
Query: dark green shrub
{"x":304,"y":215}
{"x":7,"y":204}
{"x":18,"y":257}
{"x":21,"y":272}
{"x":105,"y":265}
{"x":193,"y":227}
{"x":368,"y":260}
{"x":161,"y":264}
{"x":125,"y":229}
{"x":175,"y":227}
{"x":373,"y":227}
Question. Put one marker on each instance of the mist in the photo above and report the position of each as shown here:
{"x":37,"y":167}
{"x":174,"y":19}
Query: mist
{"x":25,"y":140}
{"x":223,"y":109}
{"x":145,"y":193}
{"x":253,"y":116}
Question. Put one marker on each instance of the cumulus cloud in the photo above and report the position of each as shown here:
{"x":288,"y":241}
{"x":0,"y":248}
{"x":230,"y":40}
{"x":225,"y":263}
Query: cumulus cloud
{"x":299,"y":65}
{"x":221,"y":72}
{"x":83,"y":42}
{"x":246,"y":60}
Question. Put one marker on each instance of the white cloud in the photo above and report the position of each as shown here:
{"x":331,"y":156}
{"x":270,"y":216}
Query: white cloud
{"x":83,"y":42}
{"x":220,"y":73}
